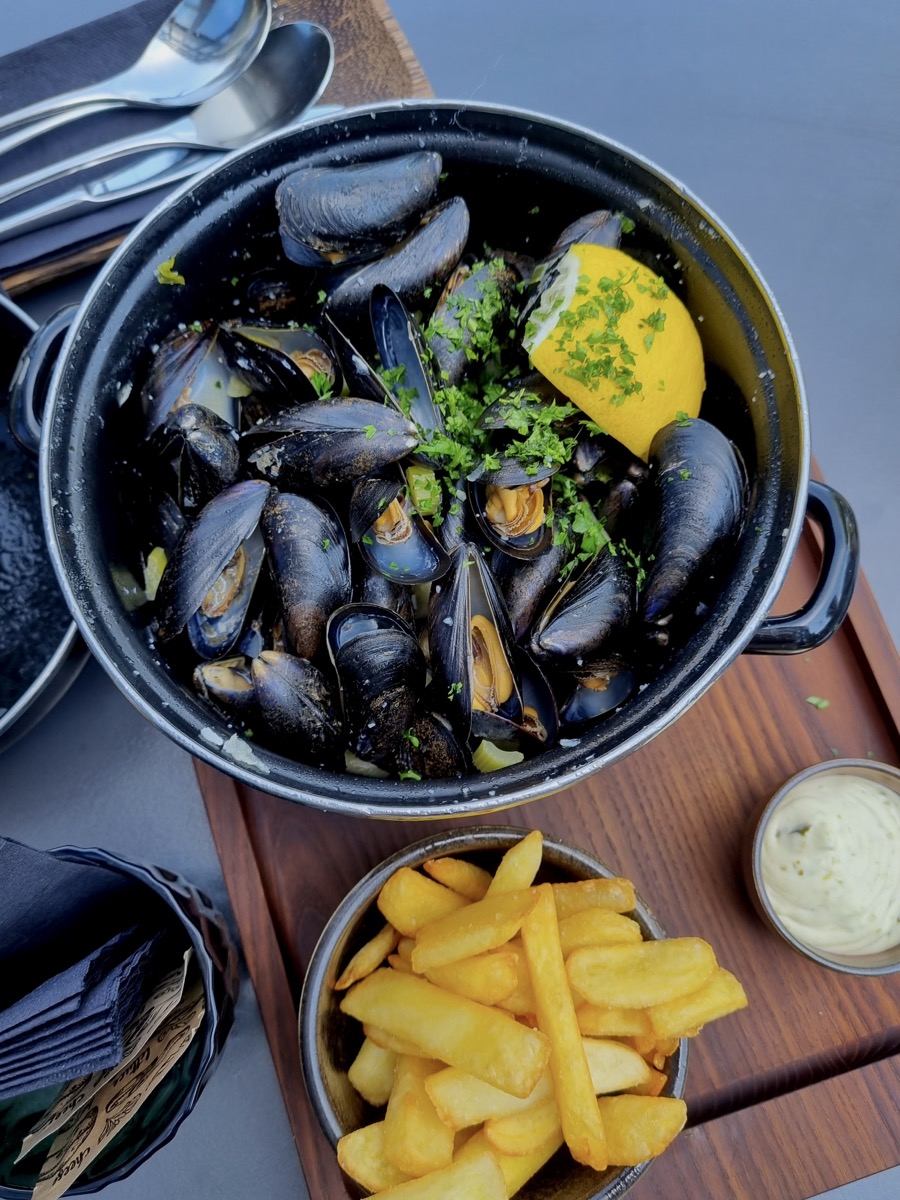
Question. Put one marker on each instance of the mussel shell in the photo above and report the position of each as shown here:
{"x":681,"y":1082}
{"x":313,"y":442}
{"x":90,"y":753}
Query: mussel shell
{"x":696,"y":506}
{"x":328,"y":442}
{"x":271,"y":296}
{"x":432,"y":750}
{"x":526,"y":546}
{"x":298,"y":713}
{"x":412,"y":554}
{"x":511,"y":472}
{"x":361,"y":378}
{"x":228,"y":685}
{"x":600,"y":456}
{"x":330,"y":214}
{"x":214,"y":636}
{"x":306,"y":351}
{"x":206,"y":548}
{"x":201,"y":451}
{"x":189,"y":367}
{"x":381,"y":673}
{"x":421,"y":261}
{"x":528,"y":584}
{"x":468,"y":589}
{"x":589,"y":617}
{"x":598,"y":228}
{"x":370,"y":498}
{"x":372,"y":587}
{"x":400,"y":347}
{"x":310,"y":564}
{"x":454,"y":527}
{"x":488,"y":285}
{"x":520,"y":399}
{"x":584,"y":705}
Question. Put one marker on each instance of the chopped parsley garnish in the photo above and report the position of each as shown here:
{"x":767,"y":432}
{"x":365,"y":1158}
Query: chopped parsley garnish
{"x":681,"y":418}
{"x":411,"y":738}
{"x":684,"y":473}
{"x":322,"y":384}
{"x":410,"y":775}
{"x":369,"y":431}
{"x":321,"y":296}
{"x":454,"y":690}
{"x":817,"y":702}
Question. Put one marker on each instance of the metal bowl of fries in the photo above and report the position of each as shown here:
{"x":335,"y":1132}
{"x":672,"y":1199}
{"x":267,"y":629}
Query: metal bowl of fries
{"x":441,"y":986}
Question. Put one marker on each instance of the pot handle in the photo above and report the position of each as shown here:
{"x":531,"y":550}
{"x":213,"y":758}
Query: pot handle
{"x":814,"y":624}
{"x":30,"y":383}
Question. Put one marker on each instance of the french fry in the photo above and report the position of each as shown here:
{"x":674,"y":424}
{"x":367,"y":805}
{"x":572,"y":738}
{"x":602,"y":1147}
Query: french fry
{"x":458,"y":1031}
{"x":394,"y":1042}
{"x":416,"y":1140}
{"x":405,"y":948}
{"x":597,"y":927}
{"x":640,"y":1127}
{"x":462,"y":1100}
{"x":474,"y":1177}
{"x":487,"y":978}
{"x":614,"y":1067}
{"x":484,"y":925}
{"x":408,"y":901}
{"x":594,"y":1021}
{"x":521,"y":999}
{"x":399,"y":964}
{"x":372,"y":1074}
{"x":720,"y":995}
{"x":617,"y":895}
{"x":520,"y":1132}
{"x":653,"y":1086}
{"x":581,"y":1124}
{"x":661,"y":1051}
{"x":517,"y":1169}
{"x":519,"y":865}
{"x":641,"y":975}
{"x":368,"y":957}
{"x":361,"y":1155}
{"x":460,"y":876}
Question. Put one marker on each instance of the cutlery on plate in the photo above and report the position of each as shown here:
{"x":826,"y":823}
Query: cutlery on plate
{"x":287,"y":76}
{"x":197,"y":51}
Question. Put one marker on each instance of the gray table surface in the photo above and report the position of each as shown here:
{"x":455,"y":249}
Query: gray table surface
{"x":782,"y":116}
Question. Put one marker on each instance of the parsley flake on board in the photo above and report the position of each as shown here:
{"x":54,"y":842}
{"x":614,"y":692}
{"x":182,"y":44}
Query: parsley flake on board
{"x":166,"y":273}
{"x":817,"y":702}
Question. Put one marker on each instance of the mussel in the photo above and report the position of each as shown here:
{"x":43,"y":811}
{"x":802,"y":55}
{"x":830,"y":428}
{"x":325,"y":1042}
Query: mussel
{"x":330,"y":215}
{"x":475,"y":303}
{"x":199,"y":455}
{"x":381,"y":674}
{"x":511,"y":505}
{"x":214,"y":629}
{"x":697,"y":496}
{"x":204,"y":552}
{"x":402,"y":352}
{"x":297,"y":709}
{"x":527,"y":584}
{"x":391,"y":536}
{"x":328,"y":442}
{"x":429,"y":749}
{"x":590,"y":617}
{"x":190,"y":367}
{"x":310,"y":565}
{"x":228,"y":685}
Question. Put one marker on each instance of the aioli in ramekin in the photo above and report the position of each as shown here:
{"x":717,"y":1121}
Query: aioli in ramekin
{"x":830,"y":861}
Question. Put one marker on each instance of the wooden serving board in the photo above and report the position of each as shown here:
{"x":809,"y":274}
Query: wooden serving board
{"x":672,"y":817}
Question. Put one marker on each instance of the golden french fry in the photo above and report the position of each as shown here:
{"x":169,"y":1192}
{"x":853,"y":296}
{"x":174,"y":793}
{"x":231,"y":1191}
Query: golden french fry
{"x":372,"y":1073}
{"x":640,"y":1127}
{"x":653,"y":1085}
{"x":368,"y":957}
{"x":643,"y":1043}
{"x":462,"y":1100}
{"x":484,"y":925}
{"x":487,"y":978}
{"x":519,"y":865}
{"x":617,"y":895}
{"x":597,"y":927}
{"x":392,"y":1041}
{"x":458,"y":1031}
{"x":520,"y":1132}
{"x":408,"y":900}
{"x":460,"y":876}
{"x":416,"y":1140}
{"x":521,"y":1000}
{"x":643,"y":974}
{"x":517,"y":1168}
{"x":475,"y":1177}
{"x":581,"y":1124}
{"x":399,"y":963}
{"x":612,"y":1022}
{"x":405,"y":948}
{"x":720,"y":995}
{"x":614,"y":1067}
{"x":361,"y":1155}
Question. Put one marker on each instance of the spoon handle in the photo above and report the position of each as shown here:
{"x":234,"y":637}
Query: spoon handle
{"x":27,"y":133}
{"x":179,"y":133}
{"x":68,"y":106}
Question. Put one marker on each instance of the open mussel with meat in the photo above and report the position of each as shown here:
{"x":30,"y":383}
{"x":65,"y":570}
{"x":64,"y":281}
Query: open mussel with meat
{"x":391,"y":543}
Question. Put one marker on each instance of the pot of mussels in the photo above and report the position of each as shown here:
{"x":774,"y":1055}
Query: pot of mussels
{"x":424,"y":459}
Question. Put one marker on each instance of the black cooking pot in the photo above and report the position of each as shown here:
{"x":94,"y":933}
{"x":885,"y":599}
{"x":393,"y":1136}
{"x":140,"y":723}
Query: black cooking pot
{"x":40,"y":650}
{"x":507,"y":164}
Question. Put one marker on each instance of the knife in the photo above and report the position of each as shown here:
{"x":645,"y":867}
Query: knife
{"x":161,"y":169}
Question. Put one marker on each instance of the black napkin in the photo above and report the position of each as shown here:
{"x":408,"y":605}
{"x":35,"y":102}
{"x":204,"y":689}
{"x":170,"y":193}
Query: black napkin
{"x":81,"y":56}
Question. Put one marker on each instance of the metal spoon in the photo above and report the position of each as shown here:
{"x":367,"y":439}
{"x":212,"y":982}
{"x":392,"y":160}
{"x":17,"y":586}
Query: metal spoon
{"x":289,"y":74}
{"x":197,"y":51}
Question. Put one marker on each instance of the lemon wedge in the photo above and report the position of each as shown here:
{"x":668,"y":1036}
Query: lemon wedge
{"x":617,"y":342}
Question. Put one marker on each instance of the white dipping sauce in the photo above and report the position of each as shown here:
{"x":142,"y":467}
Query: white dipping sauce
{"x":830,"y":859}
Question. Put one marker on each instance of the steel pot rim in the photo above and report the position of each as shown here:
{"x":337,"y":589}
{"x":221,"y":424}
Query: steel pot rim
{"x":361,"y":796}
